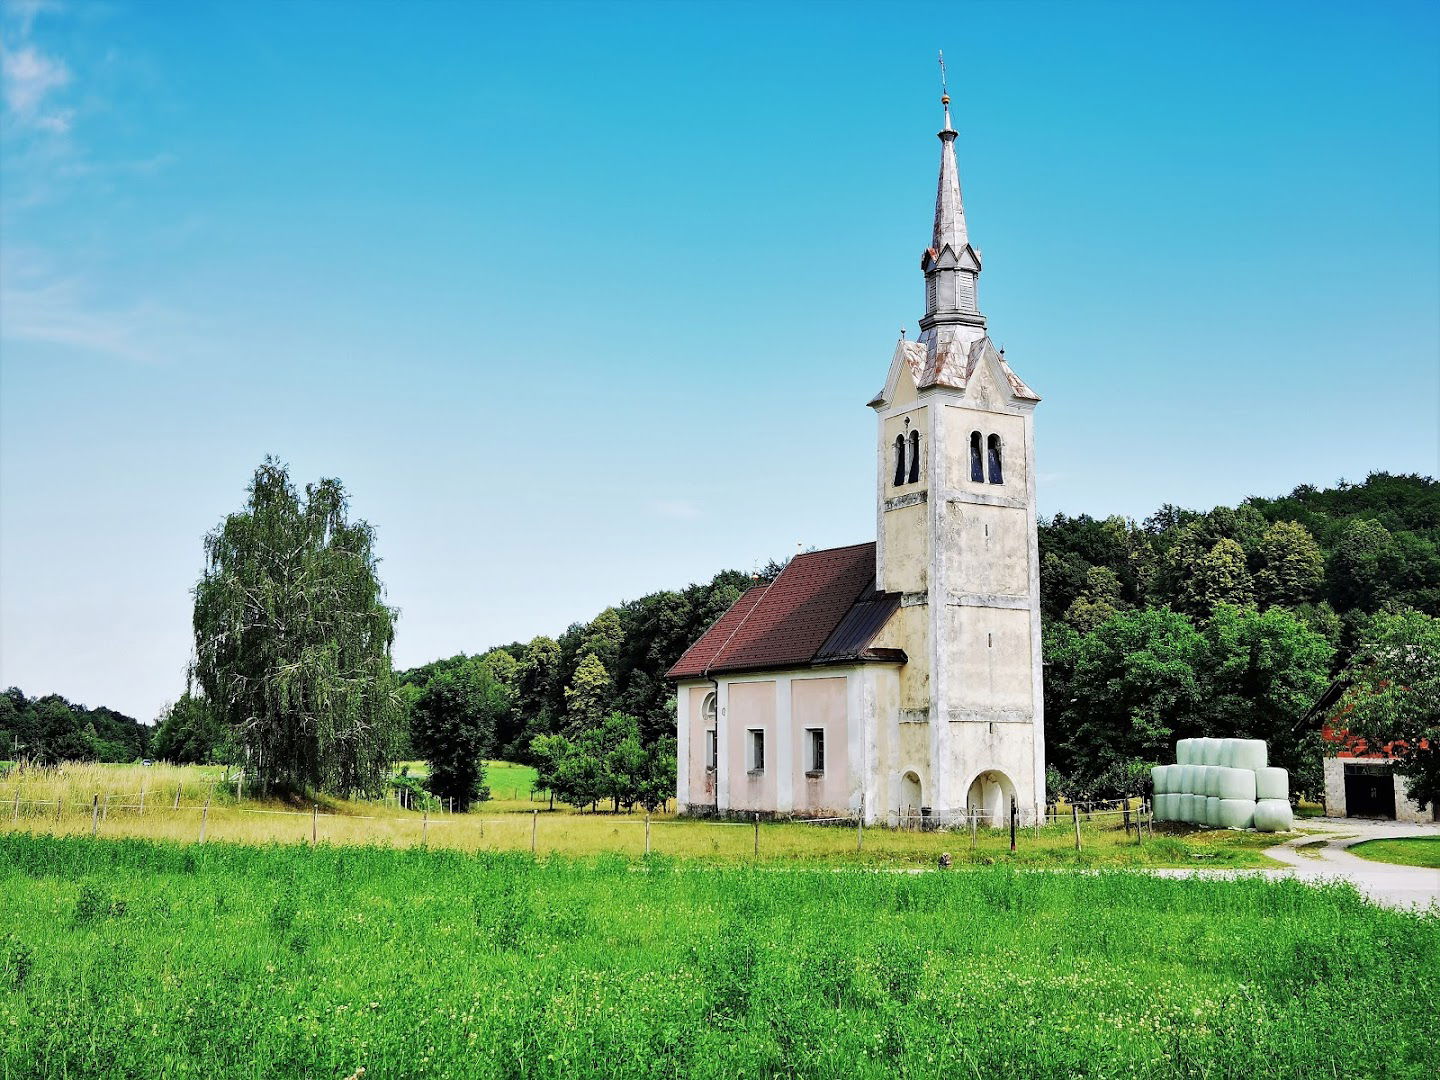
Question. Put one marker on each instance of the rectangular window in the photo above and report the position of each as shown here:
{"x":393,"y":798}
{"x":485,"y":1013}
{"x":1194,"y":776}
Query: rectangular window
{"x":815,"y":750}
{"x":712,"y":750}
{"x":757,"y":750}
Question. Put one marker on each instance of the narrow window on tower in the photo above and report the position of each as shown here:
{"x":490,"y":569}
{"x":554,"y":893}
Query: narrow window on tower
{"x":996,"y":476}
{"x":757,"y":750}
{"x":914,"y":456}
{"x":977,"y":467}
{"x":899,"y":460}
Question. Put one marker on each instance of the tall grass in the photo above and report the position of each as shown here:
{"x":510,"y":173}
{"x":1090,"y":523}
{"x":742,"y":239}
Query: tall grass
{"x":510,"y":826}
{"x":140,"y":959}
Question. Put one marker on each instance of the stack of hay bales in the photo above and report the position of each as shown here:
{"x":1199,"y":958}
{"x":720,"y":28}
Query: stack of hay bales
{"x":1225,"y":784}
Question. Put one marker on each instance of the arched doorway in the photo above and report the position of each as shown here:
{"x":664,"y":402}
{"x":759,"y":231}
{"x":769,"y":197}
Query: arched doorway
{"x":989,"y":798}
{"x":910,"y":797}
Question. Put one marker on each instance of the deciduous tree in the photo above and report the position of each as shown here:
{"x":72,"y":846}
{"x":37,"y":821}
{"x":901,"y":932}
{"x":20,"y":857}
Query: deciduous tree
{"x":292,"y":638}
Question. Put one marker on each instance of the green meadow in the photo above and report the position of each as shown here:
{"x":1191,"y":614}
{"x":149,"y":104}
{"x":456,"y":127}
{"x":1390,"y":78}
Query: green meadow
{"x":142,"y":958}
{"x":1405,"y":850}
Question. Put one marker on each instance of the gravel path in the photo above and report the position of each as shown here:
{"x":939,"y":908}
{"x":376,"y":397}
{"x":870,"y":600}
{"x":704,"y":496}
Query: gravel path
{"x":1324,"y":858}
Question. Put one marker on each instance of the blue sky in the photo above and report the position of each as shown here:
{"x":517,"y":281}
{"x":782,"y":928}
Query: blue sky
{"x":583,"y":301}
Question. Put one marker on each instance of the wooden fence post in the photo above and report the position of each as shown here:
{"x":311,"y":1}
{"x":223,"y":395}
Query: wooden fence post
{"x":142,"y":798}
{"x":534,"y":828}
{"x":314,"y":824}
{"x":647,"y":832}
{"x":757,"y":834}
{"x":105,"y":807}
{"x":204,"y":816}
{"x":1014,"y":814}
{"x":860,"y":827}
{"x":1075,"y":812}
{"x":974,"y":828}
{"x":59,"y":806}
{"x":95,"y":814}
{"x":177,"y":795}
{"x":15,"y":820}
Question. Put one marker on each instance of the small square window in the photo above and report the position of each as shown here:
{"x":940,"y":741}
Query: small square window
{"x":814,"y":750}
{"x":757,"y":750}
{"x":712,"y":750}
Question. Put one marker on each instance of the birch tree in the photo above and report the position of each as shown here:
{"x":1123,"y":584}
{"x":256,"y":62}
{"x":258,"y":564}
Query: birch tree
{"x":292,"y":638}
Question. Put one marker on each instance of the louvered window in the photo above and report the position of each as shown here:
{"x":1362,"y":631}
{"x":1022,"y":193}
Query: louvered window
{"x":965,"y":292}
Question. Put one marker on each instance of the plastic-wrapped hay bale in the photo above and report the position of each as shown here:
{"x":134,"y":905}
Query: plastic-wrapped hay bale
{"x":1158,"y":806}
{"x":1234,"y":784}
{"x":1212,"y":751}
{"x":1185,"y":752}
{"x":1272,"y":783}
{"x":1274,"y":815}
{"x":1236,"y":813}
{"x":1227,"y":753}
{"x":1160,"y":779}
{"x":1209,"y":780}
{"x":1174,"y":807}
{"x":1195,"y":809}
{"x":1250,"y":754}
{"x":1212,"y":811}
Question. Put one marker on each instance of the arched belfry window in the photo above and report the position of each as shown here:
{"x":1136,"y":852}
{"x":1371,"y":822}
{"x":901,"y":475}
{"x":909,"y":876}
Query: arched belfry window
{"x":914,"y":456}
{"x":977,"y":464}
{"x":899,"y":460}
{"x":996,"y":475}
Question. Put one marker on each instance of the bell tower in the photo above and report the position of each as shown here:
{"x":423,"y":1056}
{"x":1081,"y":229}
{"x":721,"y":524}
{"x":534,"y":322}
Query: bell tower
{"x":956,"y":538}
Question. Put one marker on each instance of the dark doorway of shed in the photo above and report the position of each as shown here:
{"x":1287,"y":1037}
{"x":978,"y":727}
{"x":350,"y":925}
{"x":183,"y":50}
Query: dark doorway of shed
{"x":1369,"y":791}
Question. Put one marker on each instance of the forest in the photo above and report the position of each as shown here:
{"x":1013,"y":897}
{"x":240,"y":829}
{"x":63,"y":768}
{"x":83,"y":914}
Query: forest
{"x":1233,"y":620}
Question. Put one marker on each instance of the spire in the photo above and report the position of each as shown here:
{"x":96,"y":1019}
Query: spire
{"x":949,"y":210}
{"x":951,"y":265}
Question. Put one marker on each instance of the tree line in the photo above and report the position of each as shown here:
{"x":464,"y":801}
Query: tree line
{"x":1231,"y":621}
{"x":49,"y":729}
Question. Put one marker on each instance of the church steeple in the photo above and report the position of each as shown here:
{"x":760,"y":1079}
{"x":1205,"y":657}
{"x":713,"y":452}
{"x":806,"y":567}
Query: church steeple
{"x":950,"y":263}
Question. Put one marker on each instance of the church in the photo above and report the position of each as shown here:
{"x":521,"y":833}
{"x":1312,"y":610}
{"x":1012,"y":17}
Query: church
{"x":898,"y":680}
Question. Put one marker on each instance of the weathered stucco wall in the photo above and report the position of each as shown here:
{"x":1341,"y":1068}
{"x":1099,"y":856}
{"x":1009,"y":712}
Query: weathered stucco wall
{"x":702,"y":780}
{"x":908,"y":629}
{"x":990,"y":660}
{"x":751,"y":705}
{"x":820,"y":703}
{"x":986,"y":550}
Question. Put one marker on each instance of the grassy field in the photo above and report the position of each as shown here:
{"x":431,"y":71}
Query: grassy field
{"x":1407,"y":851}
{"x":130,"y":958}
{"x":106,"y":800}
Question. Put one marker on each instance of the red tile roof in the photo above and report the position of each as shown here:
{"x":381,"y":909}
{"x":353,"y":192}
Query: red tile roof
{"x":791,"y":621}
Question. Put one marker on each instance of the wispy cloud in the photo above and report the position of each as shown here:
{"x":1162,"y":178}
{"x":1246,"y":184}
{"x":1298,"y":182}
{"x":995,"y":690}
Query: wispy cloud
{"x":50,"y":292}
{"x":60,"y":313}
{"x":29,"y":79}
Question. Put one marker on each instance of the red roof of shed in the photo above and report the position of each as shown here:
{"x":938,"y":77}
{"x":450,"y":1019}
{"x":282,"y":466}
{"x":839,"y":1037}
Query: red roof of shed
{"x":823,"y":608}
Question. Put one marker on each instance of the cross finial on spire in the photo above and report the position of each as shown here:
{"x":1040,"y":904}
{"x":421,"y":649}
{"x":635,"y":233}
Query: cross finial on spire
{"x":945,"y":92}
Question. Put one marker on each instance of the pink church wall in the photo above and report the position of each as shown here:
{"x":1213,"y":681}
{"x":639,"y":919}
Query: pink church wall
{"x":752,"y":705}
{"x":820,"y":703}
{"x":702,"y":780}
